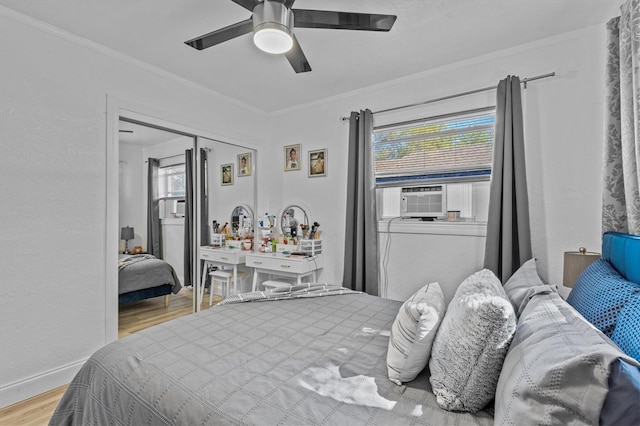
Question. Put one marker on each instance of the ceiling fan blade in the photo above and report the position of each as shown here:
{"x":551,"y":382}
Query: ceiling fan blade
{"x":304,"y":18}
{"x":296,"y":58}
{"x":125,"y":131}
{"x":221,"y":35}
{"x":247,"y":4}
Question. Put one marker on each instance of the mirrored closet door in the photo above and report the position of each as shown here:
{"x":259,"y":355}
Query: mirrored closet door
{"x":226,"y":205}
{"x":170,"y":185}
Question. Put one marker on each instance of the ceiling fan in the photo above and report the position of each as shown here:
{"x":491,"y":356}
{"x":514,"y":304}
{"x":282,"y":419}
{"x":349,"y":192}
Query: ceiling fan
{"x":272,"y":23}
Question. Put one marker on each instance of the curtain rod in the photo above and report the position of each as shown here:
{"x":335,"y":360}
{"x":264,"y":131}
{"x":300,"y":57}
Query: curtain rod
{"x":166,"y":158}
{"x":179,"y":155}
{"x":457,"y":95}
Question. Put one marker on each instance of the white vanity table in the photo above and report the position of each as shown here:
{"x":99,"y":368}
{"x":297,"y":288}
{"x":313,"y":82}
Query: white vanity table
{"x":284,"y":265}
{"x":221,"y":256}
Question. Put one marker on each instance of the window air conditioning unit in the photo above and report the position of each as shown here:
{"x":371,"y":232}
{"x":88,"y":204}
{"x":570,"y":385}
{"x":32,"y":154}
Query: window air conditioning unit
{"x":179,"y":208}
{"x":424,"y":202}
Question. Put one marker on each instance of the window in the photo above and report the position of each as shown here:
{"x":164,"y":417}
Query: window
{"x":171,"y":181}
{"x":454,"y":151}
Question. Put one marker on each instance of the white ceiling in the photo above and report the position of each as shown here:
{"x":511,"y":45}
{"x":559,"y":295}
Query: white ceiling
{"x":427,"y":34}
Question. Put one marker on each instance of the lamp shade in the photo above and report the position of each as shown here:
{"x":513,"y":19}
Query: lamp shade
{"x":127,"y":233}
{"x":574,"y":263}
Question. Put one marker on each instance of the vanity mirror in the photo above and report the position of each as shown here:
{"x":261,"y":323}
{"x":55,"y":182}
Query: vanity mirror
{"x":291,"y":218}
{"x":242,"y":220}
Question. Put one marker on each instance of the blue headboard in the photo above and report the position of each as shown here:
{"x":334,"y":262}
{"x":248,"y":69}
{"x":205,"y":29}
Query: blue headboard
{"x":623,"y":252}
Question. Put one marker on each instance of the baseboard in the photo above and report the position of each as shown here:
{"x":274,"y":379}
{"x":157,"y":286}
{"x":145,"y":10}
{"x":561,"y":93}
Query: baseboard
{"x":35,"y":385}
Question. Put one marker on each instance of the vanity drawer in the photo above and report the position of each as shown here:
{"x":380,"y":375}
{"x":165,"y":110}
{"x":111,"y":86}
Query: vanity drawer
{"x":222,"y":255}
{"x":278,"y":262}
{"x":257,"y":261}
{"x":291,"y":265}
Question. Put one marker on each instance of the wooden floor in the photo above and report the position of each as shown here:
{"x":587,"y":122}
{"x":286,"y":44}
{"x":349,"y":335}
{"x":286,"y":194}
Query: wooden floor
{"x":131,"y":318}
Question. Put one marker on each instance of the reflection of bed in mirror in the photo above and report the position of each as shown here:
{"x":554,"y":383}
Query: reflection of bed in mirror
{"x":143,"y":276}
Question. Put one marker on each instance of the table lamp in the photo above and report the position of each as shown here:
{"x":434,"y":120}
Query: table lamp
{"x":574,"y":263}
{"x":127,"y":234}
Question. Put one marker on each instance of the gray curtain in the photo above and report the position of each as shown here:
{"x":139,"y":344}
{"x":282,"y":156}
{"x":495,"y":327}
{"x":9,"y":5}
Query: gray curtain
{"x":620,"y":195}
{"x":508,"y":243}
{"x":188,"y":218}
{"x":205,"y":235}
{"x":154,"y":232}
{"x":361,"y":233}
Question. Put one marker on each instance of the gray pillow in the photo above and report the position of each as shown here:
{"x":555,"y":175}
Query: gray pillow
{"x":557,"y":368}
{"x":471,"y":344}
{"x":412,"y":333}
{"x":521,"y":281}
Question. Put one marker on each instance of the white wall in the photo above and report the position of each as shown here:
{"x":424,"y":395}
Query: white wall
{"x":563,"y":134}
{"x":53,"y":104}
{"x":132,"y":198}
{"x":224,"y":198}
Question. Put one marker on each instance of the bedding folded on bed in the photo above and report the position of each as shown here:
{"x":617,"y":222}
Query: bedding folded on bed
{"x":294,"y":291}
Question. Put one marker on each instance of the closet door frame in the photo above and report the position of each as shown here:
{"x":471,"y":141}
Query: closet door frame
{"x":117,"y":108}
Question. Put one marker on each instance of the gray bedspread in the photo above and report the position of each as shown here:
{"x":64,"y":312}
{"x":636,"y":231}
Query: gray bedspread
{"x":306,"y":361}
{"x":142,"y":271}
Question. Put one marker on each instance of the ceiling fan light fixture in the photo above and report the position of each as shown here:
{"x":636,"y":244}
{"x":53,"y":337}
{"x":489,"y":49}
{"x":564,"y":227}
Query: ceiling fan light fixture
{"x":273,"y":40}
{"x":272,"y":23}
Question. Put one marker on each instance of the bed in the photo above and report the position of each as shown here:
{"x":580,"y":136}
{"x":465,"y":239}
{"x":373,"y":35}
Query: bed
{"x":323,"y":354}
{"x":143,"y":276}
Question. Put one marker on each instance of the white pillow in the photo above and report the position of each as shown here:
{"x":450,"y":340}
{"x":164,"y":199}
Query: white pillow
{"x":412,"y":333}
{"x":471,"y":344}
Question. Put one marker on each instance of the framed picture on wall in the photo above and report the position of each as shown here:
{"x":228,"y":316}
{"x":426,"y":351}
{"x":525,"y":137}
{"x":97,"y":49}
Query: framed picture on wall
{"x":318,"y":163}
{"x":226,"y":174}
{"x":244,"y":164}
{"x":291,"y":160}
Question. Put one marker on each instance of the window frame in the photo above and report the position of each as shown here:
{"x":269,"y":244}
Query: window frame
{"x":163,"y":181}
{"x":444,"y":176}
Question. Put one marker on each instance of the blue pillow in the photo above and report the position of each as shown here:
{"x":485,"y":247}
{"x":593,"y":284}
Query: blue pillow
{"x":621,"y":404}
{"x":626,"y":334}
{"x":600,"y":293}
{"x":623,"y":252}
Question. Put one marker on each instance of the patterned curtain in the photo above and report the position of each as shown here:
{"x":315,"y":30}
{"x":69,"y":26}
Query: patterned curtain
{"x":620,"y":198}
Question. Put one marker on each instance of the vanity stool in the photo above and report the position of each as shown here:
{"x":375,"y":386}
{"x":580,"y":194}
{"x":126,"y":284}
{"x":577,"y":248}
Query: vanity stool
{"x":224,"y":278}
